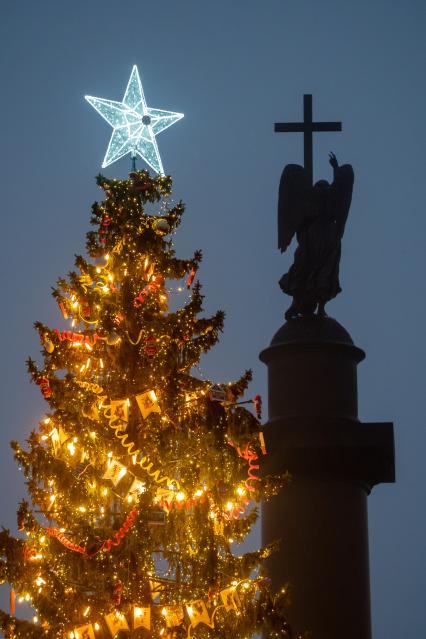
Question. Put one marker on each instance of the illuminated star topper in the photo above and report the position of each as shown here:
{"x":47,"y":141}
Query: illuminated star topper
{"x":135,"y":125}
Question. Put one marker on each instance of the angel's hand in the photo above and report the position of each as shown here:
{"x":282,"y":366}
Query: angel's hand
{"x":333,"y":160}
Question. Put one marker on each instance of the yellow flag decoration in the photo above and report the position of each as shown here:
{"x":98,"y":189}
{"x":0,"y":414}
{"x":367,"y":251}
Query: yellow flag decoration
{"x":84,"y":632}
{"x":148,"y":403}
{"x":137,"y":488}
{"x":165,"y":494}
{"x":115,"y":622}
{"x":198,"y":613}
{"x":92,"y":413}
{"x":173,"y":615}
{"x":114,"y":471}
{"x":229,"y":600}
{"x":141,"y":618}
{"x":119,"y":409}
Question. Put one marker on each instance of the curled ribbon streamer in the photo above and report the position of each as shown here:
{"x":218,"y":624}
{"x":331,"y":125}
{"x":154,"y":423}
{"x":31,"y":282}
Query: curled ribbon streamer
{"x":85,"y":320}
{"x":55,"y":532}
{"x":95,"y":388}
{"x":131,"y":450}
{"x":137,"y":341}
{"x":106,"y":545}
{"x":130,"y":447}
{"x":250,"y":456}
{"x":120,"y":534}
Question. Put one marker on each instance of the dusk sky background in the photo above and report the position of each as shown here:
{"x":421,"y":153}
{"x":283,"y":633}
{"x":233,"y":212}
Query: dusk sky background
{"x":234,"y":68}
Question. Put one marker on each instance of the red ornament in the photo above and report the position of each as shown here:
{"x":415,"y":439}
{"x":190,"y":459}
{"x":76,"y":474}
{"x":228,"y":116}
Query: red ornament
{"x":150,"y":346}
{"x":12,"y":599}
{"x":85,"y":308}
{"x":103,"y":231}
{"x":117,"y":592}
{"x":44,"y":384}
{"x":63,"y":310}
{"x":156,"y":282}
{"x":257,"y":401}
{"x":191,"y":275}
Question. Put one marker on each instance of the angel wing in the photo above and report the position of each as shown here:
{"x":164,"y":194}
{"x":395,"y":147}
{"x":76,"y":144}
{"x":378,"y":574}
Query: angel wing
{"x":292,"y":203}
{"x":340,"y":195}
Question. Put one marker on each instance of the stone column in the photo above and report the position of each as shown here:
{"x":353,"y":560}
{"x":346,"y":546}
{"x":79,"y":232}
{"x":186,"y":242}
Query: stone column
{"x":314,"y":432}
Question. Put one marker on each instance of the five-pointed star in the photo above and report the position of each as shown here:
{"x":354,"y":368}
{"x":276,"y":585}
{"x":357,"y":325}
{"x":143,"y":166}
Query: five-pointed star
{"x":135,"y":125}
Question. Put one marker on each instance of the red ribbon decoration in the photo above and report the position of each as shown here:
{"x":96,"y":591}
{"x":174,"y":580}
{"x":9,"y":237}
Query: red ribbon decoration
{"x":251,"y":457}
{"x":55,"y":532}
{"x":130,"y":520}
{"x":106,"y":545}
{"x":76,"y":337}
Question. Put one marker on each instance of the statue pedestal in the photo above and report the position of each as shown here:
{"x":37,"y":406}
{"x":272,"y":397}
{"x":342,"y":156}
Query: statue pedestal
{"x":321,"y":517}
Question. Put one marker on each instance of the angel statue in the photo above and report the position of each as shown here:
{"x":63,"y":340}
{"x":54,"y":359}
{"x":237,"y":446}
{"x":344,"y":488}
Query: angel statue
{"x":317,"y":215}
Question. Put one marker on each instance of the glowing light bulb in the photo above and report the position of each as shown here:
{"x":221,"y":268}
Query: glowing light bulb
{"x":122,"y":472}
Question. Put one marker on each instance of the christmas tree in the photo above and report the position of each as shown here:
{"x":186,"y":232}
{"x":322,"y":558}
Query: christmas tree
{"x":142,"y":474}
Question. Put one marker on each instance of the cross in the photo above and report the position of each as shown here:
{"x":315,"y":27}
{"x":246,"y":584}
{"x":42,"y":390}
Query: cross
{"x":307,"y":127}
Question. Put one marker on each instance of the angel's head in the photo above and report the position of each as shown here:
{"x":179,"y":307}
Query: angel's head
{"x":321,"y":185}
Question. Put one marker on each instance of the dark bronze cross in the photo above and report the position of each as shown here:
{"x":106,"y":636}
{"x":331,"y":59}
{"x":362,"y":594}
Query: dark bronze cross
{"x":307,"y":127}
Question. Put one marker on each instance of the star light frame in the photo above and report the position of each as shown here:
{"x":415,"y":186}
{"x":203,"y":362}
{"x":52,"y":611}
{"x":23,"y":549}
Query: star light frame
{"x":135,"y":125}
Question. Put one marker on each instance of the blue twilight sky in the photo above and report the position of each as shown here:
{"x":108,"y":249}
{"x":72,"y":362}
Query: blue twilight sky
{"x":234,"y":68}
